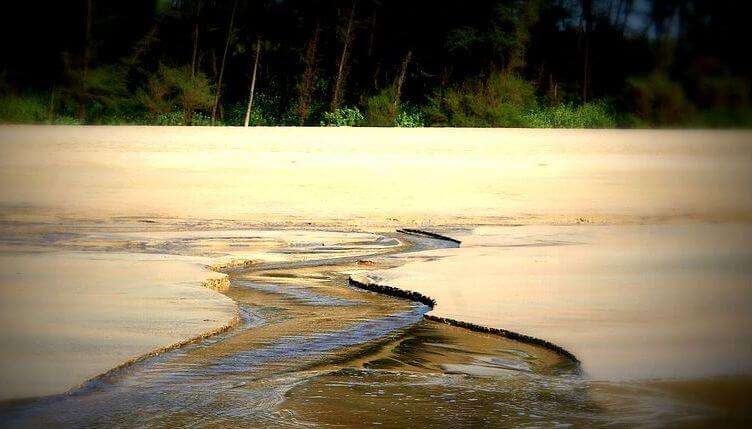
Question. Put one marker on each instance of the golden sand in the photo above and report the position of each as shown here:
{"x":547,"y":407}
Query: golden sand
{"x":375,"y":177}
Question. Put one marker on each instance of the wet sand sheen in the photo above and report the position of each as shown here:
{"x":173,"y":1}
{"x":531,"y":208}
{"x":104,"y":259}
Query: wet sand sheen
{"x":93,"y":300}
{"x":286,"y":338}
{"x":307,"y":342}
{"x":70,"y":316}
{"x":631,"y":302}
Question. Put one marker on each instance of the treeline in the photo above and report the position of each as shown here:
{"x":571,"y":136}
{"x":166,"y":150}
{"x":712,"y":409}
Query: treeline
{"x":480,"y":63}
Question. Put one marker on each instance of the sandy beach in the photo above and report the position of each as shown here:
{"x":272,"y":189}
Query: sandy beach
{"x":629,"y":249}
{"x":361,"y":177}
{"x":80,"y":304}
{"x":632,"y":302}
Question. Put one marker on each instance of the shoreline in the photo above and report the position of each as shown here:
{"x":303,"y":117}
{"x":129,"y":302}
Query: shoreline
{"x":368,"y":285}
{"x":280,"y":176}
{"x":216,"y":284}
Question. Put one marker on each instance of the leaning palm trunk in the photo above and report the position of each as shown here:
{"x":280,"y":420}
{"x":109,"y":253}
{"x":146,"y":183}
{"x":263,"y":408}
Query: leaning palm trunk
{"x":85,"y":62}
{"x":343,"y":61}
{"x":194,"y":56}
{"x":401,"y":81}
{"x":253,"y":83}
{"x":218,"y":93}
{"x":309,"y":75}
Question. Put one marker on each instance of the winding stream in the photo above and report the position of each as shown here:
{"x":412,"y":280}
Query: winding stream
{"x":312,"y":351}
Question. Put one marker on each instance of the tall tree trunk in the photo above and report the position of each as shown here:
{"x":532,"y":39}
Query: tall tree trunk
{"x":309,"y":75}
{"x":398,"y":85}
{"x":194,"y":57}
{"x":218,"y":90}
{"x":253,"y":83}
{"x":587,"y":16}
{"x":586,"y":72}
{"x":85,"y":58}
{"x":529,"y":15}
{"x":373,"y":34}
{"x":343,"y":60}
{"x":51,"y":110}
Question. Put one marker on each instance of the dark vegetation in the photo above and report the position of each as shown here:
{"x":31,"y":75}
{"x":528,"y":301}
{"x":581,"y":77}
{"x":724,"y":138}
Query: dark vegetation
{"x":479,"y":63}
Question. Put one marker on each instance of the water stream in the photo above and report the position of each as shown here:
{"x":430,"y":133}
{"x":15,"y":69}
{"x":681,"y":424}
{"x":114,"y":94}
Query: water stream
{"x":312,"y":351}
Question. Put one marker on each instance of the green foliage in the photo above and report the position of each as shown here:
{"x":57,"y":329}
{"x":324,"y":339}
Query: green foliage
{"x":657,"y":100}
{"x":265,"y":112}
{"x":30,"y":109}
{"x":719,"y":92}
{"x":723,"y":117}
{"x":172,"y":89}
{"x":65,"y":120}
{"x":380,"y":111}
{"x":498,"y":101}
{"x":178,"y":117}
{"x":409,"y":118}
{"x":343,"y":117}
{"x":99,"y":92}
{"x":22,"y":110}
{"x":588,"y":115}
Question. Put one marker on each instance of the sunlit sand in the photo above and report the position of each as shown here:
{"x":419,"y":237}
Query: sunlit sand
{"x":631,"y":302}
{"x":375,"y":177}
{"x":81,"y":304}
{"x":628,"y":249}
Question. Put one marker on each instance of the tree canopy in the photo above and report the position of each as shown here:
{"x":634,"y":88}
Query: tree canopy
{"x":378,"y":62}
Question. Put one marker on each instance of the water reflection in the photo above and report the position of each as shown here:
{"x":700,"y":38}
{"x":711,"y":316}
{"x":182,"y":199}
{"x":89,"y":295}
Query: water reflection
{"x":312,"y":351}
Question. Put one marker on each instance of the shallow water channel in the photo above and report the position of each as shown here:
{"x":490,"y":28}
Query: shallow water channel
{"x":313,"y":351}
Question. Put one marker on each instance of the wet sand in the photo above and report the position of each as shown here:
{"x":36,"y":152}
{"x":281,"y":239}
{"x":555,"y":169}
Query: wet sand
{"x":312,"y":352}
{"x":630,"y":302}
{"x":77,"y":302}
{"x":628,"y":248}
{"x":70,"y":316}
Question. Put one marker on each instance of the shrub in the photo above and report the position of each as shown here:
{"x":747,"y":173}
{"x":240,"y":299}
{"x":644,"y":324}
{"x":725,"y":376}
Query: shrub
{"x":657,"y":100}
{"x":264,"y":112}
{"x":343,"y":117}
{"x":102,"y":91}
{"x":501,"y":100}
{"x":174,"y":88}
{"x":18,"y":109}
{"x":65,"y":120}
{"x":380,"y":111}
{"x":171,"y":118}
{"x":409,"y":118}
{"x":588,"y":115}
{"x":723,"y":92}
{"x":178,"y":118}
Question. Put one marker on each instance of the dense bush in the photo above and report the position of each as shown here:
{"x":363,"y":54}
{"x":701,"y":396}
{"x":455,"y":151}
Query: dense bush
{"x":178,"y":117}
{"x":409,"y":118}
{"x":657,"y":100}
{"x":588,"y":115}
{"x":380,"y":111}
{"x":501,"y":100}
{"x":19,"y":110}
{"x":235,"y":115}
{"x":176,"y":88}
{"x":30,"y":110}
{"x":343,"y":117}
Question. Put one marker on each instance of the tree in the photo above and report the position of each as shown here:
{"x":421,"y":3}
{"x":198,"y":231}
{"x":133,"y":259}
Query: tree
{"x":85,"y":58}
{"x":400,"y":82}
{"x":307,"y":81}
{"x":218,"y":90}
{"x":253,"y":82}
{"x":344,"y":55}
{"x":176,"y":88}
